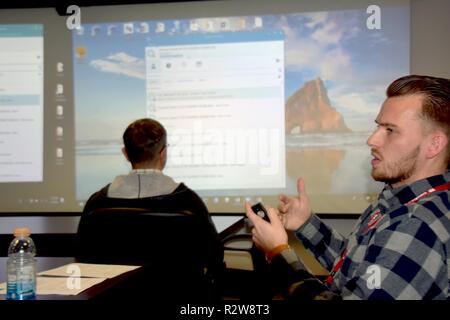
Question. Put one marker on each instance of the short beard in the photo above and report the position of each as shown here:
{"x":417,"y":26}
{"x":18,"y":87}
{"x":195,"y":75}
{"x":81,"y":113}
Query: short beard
{"x":400,"y":170}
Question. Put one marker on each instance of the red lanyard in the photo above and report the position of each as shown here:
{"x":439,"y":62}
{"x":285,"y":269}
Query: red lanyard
{"x":373,"y":221}
{"x":336,"y":267}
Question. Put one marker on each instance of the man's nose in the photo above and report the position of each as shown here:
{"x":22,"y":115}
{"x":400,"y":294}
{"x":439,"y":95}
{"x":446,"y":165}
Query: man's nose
{"x":374,"y":139}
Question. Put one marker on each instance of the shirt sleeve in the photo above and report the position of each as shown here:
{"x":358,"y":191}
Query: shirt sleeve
{"x":406,"y":260}
{"x":95,"y":200}
{"x":213,"y":243}
{"x":322,"y":241}
{"x":294,"y":282}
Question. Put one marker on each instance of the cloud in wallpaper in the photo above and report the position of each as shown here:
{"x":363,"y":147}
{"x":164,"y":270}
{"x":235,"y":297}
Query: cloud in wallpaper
{"x":121,"y":63}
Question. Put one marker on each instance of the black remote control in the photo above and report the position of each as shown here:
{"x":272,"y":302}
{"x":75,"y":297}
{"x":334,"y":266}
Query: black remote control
{"x":260,"y":211}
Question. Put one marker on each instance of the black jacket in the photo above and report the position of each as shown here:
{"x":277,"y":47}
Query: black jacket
{"x":182,"y":198}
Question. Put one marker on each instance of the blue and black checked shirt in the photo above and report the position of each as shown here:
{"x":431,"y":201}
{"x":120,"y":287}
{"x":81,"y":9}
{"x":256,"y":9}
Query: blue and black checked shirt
{"x":408,"y":249}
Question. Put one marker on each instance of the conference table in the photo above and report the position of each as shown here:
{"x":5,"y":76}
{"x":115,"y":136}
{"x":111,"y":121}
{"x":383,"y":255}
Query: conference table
{"x":226,"y":226}
{"x":47,"y":263}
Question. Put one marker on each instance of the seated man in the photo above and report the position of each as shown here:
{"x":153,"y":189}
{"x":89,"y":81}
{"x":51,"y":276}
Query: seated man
{"x":145,"y":147}
{"x":400,"y":246}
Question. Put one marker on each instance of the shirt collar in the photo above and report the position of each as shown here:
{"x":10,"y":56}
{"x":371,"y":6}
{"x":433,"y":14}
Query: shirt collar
{"x":406,"y":193}
{"x":145,"y":171}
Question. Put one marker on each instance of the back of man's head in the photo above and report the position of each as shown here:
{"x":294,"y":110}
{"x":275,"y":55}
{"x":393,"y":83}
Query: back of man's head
{"x":435,"y":102}
{"x":144,"y":139}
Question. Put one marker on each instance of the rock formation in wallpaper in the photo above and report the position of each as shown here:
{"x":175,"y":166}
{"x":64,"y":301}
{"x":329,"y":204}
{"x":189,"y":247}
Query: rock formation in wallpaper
{"x":308,"y":110}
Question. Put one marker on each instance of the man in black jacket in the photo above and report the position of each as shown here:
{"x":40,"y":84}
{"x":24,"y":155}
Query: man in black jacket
{"x":146,"y":186}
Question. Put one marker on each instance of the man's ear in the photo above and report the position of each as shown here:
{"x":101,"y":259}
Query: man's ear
{"x":124,"y":151}
{"x":163,"y":158}
{"x":437,"y":145}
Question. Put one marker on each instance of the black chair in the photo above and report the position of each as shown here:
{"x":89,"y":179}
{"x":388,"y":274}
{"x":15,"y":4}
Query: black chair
{"x":170,"y":246}
{"x":247,"y":285}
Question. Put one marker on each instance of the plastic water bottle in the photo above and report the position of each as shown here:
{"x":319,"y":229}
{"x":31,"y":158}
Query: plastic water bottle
{"x":21,"y":267}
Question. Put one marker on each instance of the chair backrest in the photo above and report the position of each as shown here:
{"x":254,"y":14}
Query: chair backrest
{"x":140,"y":236}
{"x":170,"y":246}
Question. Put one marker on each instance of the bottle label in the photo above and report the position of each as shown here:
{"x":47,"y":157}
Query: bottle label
{"x":21,"y":283}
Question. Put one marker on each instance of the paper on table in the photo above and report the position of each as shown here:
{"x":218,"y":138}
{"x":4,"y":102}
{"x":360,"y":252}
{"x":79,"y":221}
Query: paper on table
{"x":89,"y":270}
{"x":223,"y":222}
{"x":64,"y":286}
{"x":60,"y":285}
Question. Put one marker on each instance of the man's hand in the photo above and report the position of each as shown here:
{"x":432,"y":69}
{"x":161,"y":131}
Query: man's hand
{"x":267,"y":235}
{"x":295,"y":210}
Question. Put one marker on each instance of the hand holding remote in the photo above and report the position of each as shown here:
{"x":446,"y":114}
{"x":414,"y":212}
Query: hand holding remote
{"x":266,"y":234}
{"x":259,"y":209}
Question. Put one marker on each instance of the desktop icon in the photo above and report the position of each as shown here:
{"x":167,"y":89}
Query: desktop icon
{"x":95,"y":30}
{"x":193,"y":26}
{"x":224,"y":24}
{"x":59,"y":131}
{"x":80,"y":30}
{"x":176,"y":26}
{"x":258,"y":22}
{"x":80,"y":52}
{"x":59,"y":153}
{"x":242,"y":24}
{"x":210,"y":25}
{"x":59,"y":67}
{"x":128,"y":28}
{"x":143,"y":27}
{"x":160,"y":27}
{"x":59,"y":89}
{"x":59,"y":110}
{"x":112,"y":29}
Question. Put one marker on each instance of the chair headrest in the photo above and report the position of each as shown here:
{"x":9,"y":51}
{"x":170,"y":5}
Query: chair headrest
{"x":138,"y":211}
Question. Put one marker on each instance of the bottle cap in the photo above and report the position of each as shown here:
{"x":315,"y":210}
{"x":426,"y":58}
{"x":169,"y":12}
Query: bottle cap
{"x":24,"y":232}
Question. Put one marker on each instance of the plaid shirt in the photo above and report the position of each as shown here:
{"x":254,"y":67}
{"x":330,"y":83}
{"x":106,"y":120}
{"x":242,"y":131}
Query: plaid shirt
{"x":408,"y":249}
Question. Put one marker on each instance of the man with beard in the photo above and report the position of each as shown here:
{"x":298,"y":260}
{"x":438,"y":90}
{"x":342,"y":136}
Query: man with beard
{"x":400,"y":246}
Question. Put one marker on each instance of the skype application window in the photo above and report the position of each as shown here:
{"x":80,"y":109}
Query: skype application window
{"x":221,"y":97}
{"x":21,"y":103}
